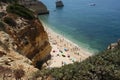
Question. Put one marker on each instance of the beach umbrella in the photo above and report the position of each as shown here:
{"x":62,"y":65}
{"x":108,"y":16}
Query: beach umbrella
{"x":65,"y":49}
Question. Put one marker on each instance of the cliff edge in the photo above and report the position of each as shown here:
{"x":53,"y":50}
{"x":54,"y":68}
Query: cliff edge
{"x":23,"y":34}
{"x":37,"y":6}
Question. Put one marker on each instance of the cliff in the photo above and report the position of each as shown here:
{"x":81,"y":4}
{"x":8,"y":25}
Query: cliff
{"x":24,"y":44}
{"x":12,"y":64}
{"x":36,"y":6}
{"x":31,"y":41}
{"x":26,"y":34}
{"x":39,"y":8}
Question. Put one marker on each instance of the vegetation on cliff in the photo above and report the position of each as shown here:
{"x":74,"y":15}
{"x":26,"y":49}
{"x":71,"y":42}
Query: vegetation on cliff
{"x":1,"y":24}
{"x":104,"y":66}
{"x":9,"y":1}
{"x":10,"y":21}
{"x":21,"y":11}
{"x":21,"y":37}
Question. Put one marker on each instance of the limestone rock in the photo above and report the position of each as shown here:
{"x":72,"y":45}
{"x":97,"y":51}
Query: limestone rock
{"x":24,"y":46}
{"x":113,"y":45}
{"x":118,"y":42}
{"x":59,"y":3}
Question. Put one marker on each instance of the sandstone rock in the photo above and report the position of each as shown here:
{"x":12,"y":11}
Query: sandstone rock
{"x":118,"y":42}
{"x":59,"y":3}
{"x":30,"y":41}
{"x":25,"y":46}
{"x":112,"y":45}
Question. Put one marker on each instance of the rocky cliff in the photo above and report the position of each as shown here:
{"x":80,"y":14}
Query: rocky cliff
{"x":37,"y":6}
{"x":114,"y":45}
{"x":24,"y":44}
{"x":28,"y":38}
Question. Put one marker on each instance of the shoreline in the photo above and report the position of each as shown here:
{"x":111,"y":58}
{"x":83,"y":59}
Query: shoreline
{"x":64,"y":51}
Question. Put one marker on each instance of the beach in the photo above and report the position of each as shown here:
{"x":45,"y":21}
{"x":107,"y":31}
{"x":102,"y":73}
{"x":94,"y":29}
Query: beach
{"x":64,"y":51}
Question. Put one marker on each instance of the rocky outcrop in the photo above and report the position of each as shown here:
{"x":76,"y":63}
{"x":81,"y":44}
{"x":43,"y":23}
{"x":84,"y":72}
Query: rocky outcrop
{"x":11,"y":60}
{"x":23,"y":46}
{"x":59,"y":3}
{"x":36,"y":6}
{"x":39,"y":8}
{"x":114,"y":45}
{"x":29,"y":39}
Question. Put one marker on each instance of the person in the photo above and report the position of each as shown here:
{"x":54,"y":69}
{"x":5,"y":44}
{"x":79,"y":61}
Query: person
{"x":62,"y":63}
{"x":68,"y":56}
{"x":57,"y":54}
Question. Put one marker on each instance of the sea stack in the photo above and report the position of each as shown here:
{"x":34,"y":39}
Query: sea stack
{"x":59,"y":3}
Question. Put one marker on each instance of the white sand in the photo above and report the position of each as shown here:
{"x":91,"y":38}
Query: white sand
{"x":59,"y":55}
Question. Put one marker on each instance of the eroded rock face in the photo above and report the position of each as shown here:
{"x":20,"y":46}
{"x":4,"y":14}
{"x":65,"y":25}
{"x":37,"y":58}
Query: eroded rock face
{"x":114,"y":45}
{"x":11,"y":60}
{"x":22,"y":46}
{"x":38,"y":47}
{"x":30,"y":40}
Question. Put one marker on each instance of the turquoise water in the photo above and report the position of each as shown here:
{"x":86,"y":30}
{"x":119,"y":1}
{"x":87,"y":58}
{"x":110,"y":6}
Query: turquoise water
{"x":92,"y":27}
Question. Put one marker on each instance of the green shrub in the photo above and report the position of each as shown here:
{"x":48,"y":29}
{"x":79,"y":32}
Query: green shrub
{"x":1,"y":24}
{"x":104,"y":66}
{"x":21,"y":11}
{"x":2,"y":14}
{"x":9,"y":1}
{"x":10,"y":21}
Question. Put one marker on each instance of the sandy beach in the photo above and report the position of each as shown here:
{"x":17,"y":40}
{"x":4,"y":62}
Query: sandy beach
{"x":64,"y":51}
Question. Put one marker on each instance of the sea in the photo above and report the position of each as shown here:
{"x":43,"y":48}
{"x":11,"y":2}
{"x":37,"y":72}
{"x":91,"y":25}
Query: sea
{"x":92,"y":27}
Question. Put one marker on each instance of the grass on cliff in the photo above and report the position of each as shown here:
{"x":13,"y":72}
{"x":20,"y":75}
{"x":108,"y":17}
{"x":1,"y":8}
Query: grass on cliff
{"x":104,"y":66}
{"x":2,"y":26}
{"x":10,"y":21}
{"x":20,"y":11}
{"x":9,"y":1}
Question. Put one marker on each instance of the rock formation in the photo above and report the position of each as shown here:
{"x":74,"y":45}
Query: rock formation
{"x":59,"y":3}
{"x":24,"y":45}
{"x":11,"y":60}
{"x":28,"y":38}
{"x":114,"y":45}
{"x":37,"y":6}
